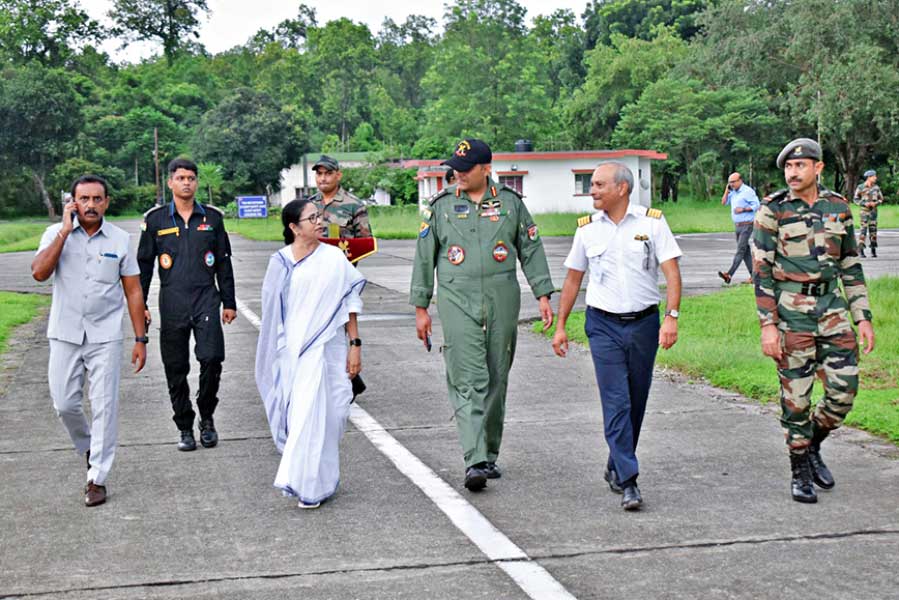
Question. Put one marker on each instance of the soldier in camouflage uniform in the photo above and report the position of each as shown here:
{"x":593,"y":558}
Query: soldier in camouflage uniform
{"x":473,"y":234}
{"x":804,"y":247}
{"x":338,"y":207}
{"x":868,"y":196}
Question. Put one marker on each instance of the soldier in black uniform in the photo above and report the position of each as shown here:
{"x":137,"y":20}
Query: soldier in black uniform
{"x":193,"y":252}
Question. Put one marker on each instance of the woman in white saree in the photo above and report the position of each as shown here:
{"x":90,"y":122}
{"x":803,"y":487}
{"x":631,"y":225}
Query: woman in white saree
{"x":310,"y":299}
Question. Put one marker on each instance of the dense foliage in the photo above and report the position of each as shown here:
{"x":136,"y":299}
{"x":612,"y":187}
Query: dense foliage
{"x":718,"y":85}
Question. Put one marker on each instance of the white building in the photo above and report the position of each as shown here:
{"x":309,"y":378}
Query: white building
{"x":550,"y":181}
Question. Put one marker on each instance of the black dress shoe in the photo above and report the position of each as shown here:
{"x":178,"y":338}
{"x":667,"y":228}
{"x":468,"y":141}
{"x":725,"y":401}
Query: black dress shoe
{"x":492,"y":471}
{"x":801,"y":484}
{"x":187,"y":442}
{"x":611,"y":478}
{"x":208,"y":437}
{"x":476,"y":477}
{"x":631,"y":500}
{"x":820,"y":473}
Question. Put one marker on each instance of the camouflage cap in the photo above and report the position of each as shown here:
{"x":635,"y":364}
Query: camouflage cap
{"x":870,"y":173}
{"x":468,"y":153}
{"x":799,"y":148}
{"x":327,"y":162}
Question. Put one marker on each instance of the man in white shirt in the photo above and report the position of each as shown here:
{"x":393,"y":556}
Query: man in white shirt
{"x":92,"y":262}
{"x":623,"y":246}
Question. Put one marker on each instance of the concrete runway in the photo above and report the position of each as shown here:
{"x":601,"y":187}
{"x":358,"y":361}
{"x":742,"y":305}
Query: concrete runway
{"x":718,"y":520}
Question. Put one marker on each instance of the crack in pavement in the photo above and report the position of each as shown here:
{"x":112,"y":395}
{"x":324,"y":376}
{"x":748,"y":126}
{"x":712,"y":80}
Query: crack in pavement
{"x":462,"y":563}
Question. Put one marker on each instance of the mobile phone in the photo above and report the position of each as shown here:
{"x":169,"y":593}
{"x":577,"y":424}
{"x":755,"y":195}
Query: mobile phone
{"x":428,"y":342}
{"x":74,"y":211}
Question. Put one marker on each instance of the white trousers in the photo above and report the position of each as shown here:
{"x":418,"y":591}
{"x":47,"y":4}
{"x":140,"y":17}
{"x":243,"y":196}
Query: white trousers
{"x":102,"y":362}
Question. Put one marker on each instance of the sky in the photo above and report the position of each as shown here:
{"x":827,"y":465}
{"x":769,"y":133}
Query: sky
{"x":233,"y":22}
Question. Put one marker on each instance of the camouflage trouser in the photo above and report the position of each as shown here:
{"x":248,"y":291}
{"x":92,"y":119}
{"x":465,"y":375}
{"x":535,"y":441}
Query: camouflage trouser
{"x":817,"y":339}
{"x":868,"y":228}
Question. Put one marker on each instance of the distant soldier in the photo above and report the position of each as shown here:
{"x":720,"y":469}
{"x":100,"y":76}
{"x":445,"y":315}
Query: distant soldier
{"x":868,"y":197}
{"x":473,"y":234}
{"x":804,"y":246}
{"x":339,"y":208}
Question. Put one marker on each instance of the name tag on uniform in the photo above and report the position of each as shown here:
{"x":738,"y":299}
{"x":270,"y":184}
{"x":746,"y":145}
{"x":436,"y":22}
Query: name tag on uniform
{"x":168,"y":231}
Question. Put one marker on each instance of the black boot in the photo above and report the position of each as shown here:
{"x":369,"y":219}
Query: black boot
{"x":820,"y":473}
{"x":873,"y":252}
{"x":801,"y":485}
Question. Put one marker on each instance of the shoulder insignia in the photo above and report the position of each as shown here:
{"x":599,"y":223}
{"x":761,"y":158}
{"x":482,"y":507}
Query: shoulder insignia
{"x":653,"y":213}
{"x":154,"y":209}
{"x":513,"y":190}
{"x":584,"y":220}
{"x":215,"y":208}
{"x":776,"y":196}
{"x":458,"y":192}
{"x":438,"y":196}
{"x":493,"y":190}
{"x":426,"y":213}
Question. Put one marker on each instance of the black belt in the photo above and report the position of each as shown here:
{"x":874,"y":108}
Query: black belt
{"x":819,"y":288}
{"x":628,"y":317}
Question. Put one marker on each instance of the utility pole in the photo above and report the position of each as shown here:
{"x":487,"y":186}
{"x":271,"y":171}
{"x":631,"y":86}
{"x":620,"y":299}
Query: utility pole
{"x":156,"y":161}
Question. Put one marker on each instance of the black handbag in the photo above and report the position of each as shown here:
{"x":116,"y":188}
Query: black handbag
{"x":358,"y":387}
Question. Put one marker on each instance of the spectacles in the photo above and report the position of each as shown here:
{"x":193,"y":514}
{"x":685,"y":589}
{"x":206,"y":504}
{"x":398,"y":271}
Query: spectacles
{"x":312,"y":219}
{"x":734,"y":181}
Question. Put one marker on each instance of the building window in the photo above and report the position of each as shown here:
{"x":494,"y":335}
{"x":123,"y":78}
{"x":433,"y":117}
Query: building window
{"x":582,"y":183}
{"x":513,"y":181}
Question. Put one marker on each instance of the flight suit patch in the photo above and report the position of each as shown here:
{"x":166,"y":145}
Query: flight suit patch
{"x":455,"y":255}
{"x":532,"y":233}
{"x":165,"y":261}
{"x":204,"y":227}
{"x":424,"y":230}
{"x":209,"y":258}
{"x":168,"y":231}
{"x":500,"y":252}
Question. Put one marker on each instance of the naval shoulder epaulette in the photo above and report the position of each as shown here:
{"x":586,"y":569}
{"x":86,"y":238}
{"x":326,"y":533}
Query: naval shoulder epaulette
{"x":444,"y":192}
{"x":653,"y":213}
{"x":584,"y":220}
{"x":215,"y":208}
{"x":152,"y":210}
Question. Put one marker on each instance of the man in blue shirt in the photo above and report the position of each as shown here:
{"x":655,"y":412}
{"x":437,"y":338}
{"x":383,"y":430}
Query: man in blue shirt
{"x":743,"y":206}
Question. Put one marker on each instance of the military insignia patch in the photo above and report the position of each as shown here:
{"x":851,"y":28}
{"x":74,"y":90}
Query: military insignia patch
{"x":463,"y":148}
{"x":168,"y":231}
{"x":641,"y":237}
{"x":424,"y":230}
{"x":165,"y":261}
{"x":455,"y":255}
{"x":500,"y":252}
{"x":797,"y":151}
{"x":209,"y":258}
{"x":461,"y":209}
{"x":143,"y":226}
{"x":654,"y":213}
{"x":204,"y":227}
{"x":584,"y":221}
{"x":532,"y":232}
{"x":426,"y":213}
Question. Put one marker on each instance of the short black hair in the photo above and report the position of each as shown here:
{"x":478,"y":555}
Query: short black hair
{"x":89,"y":178}
{"x":182,"y":163}
{"x":291,"y":213}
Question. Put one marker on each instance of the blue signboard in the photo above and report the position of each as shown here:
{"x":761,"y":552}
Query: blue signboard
{"x":252,"y":207}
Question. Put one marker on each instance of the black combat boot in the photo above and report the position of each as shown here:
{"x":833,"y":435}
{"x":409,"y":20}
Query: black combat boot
{"x":821,"y":474}
{"x":801,"y":485}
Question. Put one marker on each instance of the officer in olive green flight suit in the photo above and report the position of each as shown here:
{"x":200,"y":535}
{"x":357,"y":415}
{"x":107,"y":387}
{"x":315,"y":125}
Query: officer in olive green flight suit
{"x":473,"y":233}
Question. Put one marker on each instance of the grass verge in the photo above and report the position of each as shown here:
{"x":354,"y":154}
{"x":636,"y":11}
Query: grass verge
{"x":17,"y":309}
{"x":718,"y":339}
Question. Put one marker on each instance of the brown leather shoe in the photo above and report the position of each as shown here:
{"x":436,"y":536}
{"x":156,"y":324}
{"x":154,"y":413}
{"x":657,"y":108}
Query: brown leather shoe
{"x":724,"y":276}
{"x":94,"y":494}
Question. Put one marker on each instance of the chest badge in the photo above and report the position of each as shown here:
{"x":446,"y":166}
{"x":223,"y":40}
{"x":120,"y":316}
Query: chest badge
{"x":424,"y":230}
{"x":455,"y":255}
{"x":165,"y":261}
{"x":209,"y":258}
{"x":204,"y":227}
{"x":500,"y":252}
{"x":641,"y":237}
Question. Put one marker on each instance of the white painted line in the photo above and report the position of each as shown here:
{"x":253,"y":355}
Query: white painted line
{"x":532,"y":578}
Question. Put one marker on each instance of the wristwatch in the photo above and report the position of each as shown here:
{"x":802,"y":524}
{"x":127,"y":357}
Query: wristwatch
{"x":673,"y":313}
{"x":355,"y":342}
{"x":143,"y":339}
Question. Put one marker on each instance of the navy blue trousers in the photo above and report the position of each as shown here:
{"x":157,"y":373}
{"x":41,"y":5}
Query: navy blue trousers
{"x":623,"y":355}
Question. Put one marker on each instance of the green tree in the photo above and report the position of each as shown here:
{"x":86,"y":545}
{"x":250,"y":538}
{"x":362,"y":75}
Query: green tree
{"x":210,"y":180}
{"x":252,"y":138}
{"x":48,"y":31}
{"x":639,"y":18}
{"x":40,"y":114}
{"x":616,"y":76}
{"x":170,"y":22}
